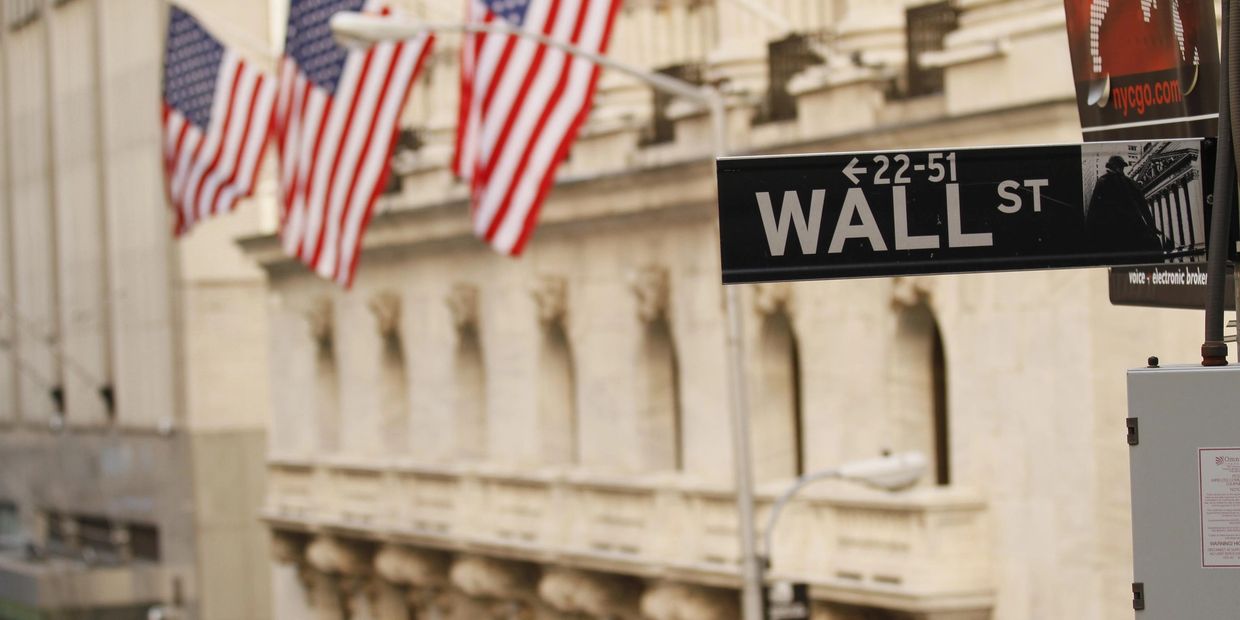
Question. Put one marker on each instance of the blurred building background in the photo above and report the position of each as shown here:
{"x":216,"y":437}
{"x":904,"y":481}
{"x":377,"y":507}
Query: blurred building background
{"x":468,"y":436}
{"x":133,"y":388}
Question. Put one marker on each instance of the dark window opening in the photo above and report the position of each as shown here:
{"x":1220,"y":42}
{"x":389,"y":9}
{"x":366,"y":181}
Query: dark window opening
{"x":95,"y":533}
{"x":784,"y":59}
{"x":777,"y":427}
{"x":926,"y":28}
{"x":144,"y":542}
{"x":662,"y":128}
{"x":661,"y":423}
{"x":557,"y":397}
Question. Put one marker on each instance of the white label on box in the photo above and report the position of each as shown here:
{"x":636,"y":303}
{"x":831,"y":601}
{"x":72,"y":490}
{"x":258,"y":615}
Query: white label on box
{"x":1219,"y":480}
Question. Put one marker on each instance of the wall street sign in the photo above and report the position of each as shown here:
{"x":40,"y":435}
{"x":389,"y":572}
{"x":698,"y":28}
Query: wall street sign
{"x":845,"y":215}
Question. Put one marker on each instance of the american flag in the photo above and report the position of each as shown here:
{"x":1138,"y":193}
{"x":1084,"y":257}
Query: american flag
{"x":521,"y":106}
{"x":336,"y":125}
{"x":217,"y":110}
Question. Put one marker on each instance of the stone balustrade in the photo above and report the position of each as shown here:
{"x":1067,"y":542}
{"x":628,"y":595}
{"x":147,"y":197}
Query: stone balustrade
{"x":925,"y":544}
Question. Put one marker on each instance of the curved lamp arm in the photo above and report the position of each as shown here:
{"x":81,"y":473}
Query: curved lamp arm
{"x":891,"y":473}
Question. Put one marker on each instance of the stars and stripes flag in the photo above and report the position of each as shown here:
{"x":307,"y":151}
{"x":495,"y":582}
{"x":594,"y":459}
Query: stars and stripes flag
{"x":216,"y":114}
{"x":521,"y":106}
{"x":336,"y":125}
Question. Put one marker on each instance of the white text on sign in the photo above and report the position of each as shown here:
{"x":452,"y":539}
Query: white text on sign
{"x":856,"y":221}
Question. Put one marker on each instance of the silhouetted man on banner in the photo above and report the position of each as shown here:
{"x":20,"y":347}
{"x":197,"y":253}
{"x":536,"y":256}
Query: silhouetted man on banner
{"x":1118,"y":218}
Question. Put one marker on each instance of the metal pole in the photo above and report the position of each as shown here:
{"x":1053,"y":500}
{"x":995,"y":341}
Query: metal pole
{"x":360,"y":28}
{"x":751,"y":564}
{"x":751,"y":568}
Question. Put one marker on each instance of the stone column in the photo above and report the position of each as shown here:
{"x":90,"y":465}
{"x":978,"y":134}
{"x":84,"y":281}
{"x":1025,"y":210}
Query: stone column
{"x":288,"y":549}
{"x":1186,"y":213}
{"x":1192,"y":185}
{"x":1171,"y":224}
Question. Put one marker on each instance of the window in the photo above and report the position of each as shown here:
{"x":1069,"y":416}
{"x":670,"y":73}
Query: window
{"x":660,"y":413}
{"x":557,"y":396}
{"x":144,"y":542}
{"x":777,"y":441}
{"x":394,"y":394}
{"x":784,"y":59}
{"x":918,"y":390}
{"x":470,"y":400}
{"x":95,"y":533}
{"x":662,"y":127}
{"x":327,"y":387}
{"x":926,"y":28}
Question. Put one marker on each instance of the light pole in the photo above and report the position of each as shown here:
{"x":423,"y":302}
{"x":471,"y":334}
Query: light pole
{"x":891,"y":473}
{"x":357,"y":29}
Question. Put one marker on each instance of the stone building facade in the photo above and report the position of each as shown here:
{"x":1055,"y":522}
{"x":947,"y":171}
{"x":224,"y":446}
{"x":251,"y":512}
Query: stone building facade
{"x":463,"y":435}
{"x":133,"y":391}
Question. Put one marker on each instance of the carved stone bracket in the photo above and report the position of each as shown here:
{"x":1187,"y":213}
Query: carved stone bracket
{"x":347,"y":564}
{"x":651,"y":287}
{"x":411,"y":567}
{"x":677,"y":601}
{"x":490,"y":578}
{"x":908,"y":292}
{"x":386,"y":308}
{"x":591,"y":594}
{"x":319,"y":319}
{"x":772,"y":297}
{"x":463,"y":302}
{"x":334,"y":556}
{"x":551,"y":296}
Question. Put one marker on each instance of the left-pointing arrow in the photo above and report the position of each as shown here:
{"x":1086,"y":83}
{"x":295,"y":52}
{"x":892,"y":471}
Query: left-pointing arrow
{"x":852,"y":170}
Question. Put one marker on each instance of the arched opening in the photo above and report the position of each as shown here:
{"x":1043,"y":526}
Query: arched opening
{"x":659,"y":421}
{"x":394,"y":395}
{"x":776,"y":424}
{"x":918,"y":389}
{"x":470,"y":398}
{"x":557,"y":397}
{"x":327,"y":394}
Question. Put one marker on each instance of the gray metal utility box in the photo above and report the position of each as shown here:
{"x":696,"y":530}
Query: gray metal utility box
{"x":1184,"y":448}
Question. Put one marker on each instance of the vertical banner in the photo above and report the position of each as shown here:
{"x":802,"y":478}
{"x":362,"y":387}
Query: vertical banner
{"x":1145,"y":69}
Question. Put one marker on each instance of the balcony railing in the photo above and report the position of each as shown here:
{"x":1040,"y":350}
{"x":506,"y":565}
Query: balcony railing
{"x":926,"y":544}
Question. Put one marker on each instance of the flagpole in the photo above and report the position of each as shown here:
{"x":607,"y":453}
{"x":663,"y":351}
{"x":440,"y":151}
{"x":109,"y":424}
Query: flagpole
{"x":359,"y":29}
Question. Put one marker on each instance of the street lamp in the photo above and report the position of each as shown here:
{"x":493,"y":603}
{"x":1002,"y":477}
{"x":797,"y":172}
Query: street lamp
{"x":362,"y":30}
{"x":890,"y":473}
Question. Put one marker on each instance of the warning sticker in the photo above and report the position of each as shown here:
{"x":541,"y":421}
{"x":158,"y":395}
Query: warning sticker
{"x":1219,"y":476}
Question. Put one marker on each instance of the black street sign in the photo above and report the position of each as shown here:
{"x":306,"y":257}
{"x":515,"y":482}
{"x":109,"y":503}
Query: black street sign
{"x":784,"y":600}
{"x":1166,"y":286}
{"x":844,"y":215}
